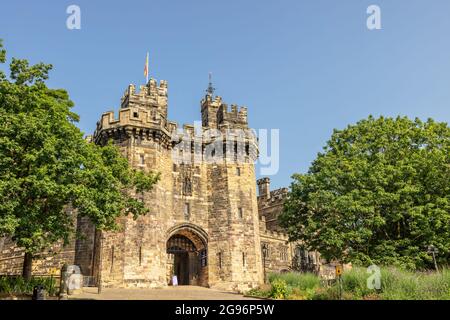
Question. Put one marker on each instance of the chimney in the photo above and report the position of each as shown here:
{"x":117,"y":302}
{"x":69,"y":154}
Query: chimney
{"x":264,"y":187}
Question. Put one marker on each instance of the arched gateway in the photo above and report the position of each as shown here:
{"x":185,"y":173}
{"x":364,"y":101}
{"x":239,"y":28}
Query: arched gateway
{"x":187,"y":255}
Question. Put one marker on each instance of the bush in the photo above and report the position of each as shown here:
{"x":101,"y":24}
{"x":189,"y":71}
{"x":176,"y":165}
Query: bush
{"x":279,"y":289}
{"x":17,"y":285}
{"x":355,"y":281}
{"x":396,"y":284}
{"x":321,"y":294}
{"x":260,"y":292}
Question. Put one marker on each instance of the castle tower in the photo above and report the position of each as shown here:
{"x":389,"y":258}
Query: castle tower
{"x":151,"y":97}
{"x":137,"y":254}
{"x":203,"y":224}
{"x":234,"y":244}
{"x":264,"y":187}
{"x":209,"y":109}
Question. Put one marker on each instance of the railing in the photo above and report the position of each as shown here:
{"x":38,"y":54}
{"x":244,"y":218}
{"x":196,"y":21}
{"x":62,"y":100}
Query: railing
{"x":89,"y":281}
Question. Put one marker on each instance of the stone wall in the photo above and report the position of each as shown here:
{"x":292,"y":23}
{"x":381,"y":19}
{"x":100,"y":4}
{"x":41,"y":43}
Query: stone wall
{"x":279,"y":251}
{"x":85,"y":245}
{"x":46,"y":263}
{"x":270,"y":204}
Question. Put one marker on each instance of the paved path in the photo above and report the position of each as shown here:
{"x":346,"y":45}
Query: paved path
{"x":169,"y":293}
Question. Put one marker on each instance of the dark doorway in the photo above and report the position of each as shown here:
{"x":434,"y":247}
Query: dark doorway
{"x":181,"y":267}
{"x":184,"y":257}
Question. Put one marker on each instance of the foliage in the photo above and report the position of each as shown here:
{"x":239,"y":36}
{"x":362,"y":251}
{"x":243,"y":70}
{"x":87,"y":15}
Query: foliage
{"x":302,"y":281}
{"x":396,"y":284}
{"x":355,"y":281}
{"x":18,"y":285}
{"x":279,"y":289}
{"x":379,"y":193}
{"x":47,"y":168}
{"x":404,"y":285}
{"x":259,"y":292}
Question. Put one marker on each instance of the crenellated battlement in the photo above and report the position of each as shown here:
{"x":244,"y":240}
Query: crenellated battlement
{"x":143,"y":115}
{"x":270,"y":198}
{"x":264,"y":232}
{"x":208,"y":100}
{"x":216,"y":114}
{"x":150,"y":96}
{"x":130,"y":120}
{"x":276,"y":197}
{"x":279,"y":194}
{"x":236,"y":117}
{"x":132,"y":116}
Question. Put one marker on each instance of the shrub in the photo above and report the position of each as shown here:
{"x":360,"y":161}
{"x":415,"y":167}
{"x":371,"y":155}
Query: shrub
{"x":6,"y":286}
{"x":262,"y":291}
{"x":279,"y":289}
{"x":355,"y":281}
{"x":18,"y":285}
{"x":321,"y":294}
{"x":396,"y":284}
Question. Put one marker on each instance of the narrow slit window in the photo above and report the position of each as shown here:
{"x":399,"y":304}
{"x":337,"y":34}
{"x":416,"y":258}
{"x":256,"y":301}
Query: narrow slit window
{"x":187,"y":211}
{"x":112,"y":258}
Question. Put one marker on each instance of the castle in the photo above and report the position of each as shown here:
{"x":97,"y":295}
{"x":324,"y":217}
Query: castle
{"x":207,"y":222}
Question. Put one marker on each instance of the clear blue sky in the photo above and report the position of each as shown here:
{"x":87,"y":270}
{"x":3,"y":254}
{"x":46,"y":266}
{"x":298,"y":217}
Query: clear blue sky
{"x":303,"y":66}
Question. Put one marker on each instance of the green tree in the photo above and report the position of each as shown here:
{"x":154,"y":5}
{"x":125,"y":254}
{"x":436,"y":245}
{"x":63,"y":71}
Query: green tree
{"x":378,"y":193}
{"x":47,"y":168}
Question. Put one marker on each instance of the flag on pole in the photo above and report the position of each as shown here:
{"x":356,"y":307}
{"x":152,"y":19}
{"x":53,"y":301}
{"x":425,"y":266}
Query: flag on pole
{"x":146,"y":69}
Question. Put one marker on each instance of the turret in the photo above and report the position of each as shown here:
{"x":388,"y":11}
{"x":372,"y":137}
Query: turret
{"x":264,"y":188}
{"x":150,"y":97}
{"x":210,"y":106}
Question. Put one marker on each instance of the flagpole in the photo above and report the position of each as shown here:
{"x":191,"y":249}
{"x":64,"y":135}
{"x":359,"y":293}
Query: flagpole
{"x":146,"y":77}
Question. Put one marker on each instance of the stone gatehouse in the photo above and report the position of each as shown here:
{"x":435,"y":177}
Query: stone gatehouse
{"x":207,"y":222}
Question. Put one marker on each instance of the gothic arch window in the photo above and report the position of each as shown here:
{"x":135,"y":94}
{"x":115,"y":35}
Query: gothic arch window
{"x":284,"y":253}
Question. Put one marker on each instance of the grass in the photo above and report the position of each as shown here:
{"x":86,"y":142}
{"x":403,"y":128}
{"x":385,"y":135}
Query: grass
{"x":16,"y":285}
{"x":302,"y":281}
{"x":396,"y":284}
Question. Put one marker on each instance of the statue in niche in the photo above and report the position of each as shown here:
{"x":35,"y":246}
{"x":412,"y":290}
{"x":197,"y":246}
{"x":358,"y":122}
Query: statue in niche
{"x":187,"y":186}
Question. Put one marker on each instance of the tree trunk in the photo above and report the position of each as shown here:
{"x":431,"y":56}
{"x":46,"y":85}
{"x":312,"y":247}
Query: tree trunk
{"x":27,"y":264}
